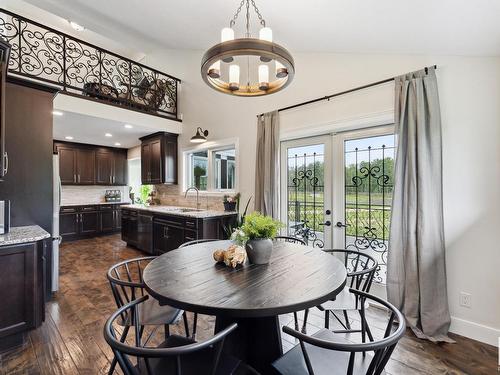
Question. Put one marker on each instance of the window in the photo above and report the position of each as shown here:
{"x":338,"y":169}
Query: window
{"x":224,"y":169}
{"x":212,"y":169}
{"x":198,"y":175}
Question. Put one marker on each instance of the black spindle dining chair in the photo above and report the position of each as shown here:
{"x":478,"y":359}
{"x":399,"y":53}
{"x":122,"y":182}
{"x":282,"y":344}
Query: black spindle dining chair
{"x":361,"y":270}
{"x":327,"y":353}
{"x":127,"y":284}
{"x":290,"y":239}
{"x":176,"y":355}
{"x":194,"y":242}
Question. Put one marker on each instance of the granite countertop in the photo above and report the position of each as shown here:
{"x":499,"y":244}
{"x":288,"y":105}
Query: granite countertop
{"x":30,"y":233}
{"x":90,"y":204}
{"x":179,"y":211}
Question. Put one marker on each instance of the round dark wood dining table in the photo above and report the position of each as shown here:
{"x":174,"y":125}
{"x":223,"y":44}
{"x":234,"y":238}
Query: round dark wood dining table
{"x":297,"y":277}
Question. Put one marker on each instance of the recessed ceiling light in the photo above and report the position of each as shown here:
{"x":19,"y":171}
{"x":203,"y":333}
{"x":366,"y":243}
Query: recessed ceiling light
{"x":69,"y":137}
{"x":118,"y":144}
{"x":57,"y":113}
{"x":76,"y":26}
{"x":128,"y":126}
{"x":108,"y":135}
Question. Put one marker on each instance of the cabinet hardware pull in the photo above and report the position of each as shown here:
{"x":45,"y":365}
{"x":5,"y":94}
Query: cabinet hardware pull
{"x":6,"y":167}
{"x":74,"y":177}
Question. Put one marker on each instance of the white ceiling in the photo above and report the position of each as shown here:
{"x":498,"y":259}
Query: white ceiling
{"x":91,"y":130}
{"x":452,"y":27}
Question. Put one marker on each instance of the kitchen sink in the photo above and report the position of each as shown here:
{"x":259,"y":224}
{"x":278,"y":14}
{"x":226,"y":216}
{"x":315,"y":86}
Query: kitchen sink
{"x":189,"y":210}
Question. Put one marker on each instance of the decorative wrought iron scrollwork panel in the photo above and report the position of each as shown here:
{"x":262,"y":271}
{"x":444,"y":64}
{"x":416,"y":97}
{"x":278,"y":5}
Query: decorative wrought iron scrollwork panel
{"x":77,"y":67}
{"x":368,"y":196}
{"x":305,"y":195}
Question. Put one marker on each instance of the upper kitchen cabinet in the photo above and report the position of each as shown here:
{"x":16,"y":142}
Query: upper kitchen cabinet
{"x":4,"y":63}
{"x":81,"y":164}
{"x":159,"y":158}
{"x":111,"y":167}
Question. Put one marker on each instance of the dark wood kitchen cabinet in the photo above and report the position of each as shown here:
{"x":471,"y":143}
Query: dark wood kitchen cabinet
{"x":159,"y":158}
{"x":85,"y":166}
{"x":67,"y":165}
{"x":76,"y":222}
{"x":110,"y":218}
{"x":4,"y":63}
{"x":82,"y":164}
{"x":22,"y":291}
{"x":167,"y":235}
{"x":129,"y":227}
{"x":156,"y":232}
{"x":111,"y":167}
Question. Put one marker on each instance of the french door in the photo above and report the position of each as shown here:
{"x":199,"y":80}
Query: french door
{"x":337,"y":191}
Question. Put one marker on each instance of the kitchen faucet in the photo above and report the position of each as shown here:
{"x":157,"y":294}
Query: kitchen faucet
{"x":197,"y":195}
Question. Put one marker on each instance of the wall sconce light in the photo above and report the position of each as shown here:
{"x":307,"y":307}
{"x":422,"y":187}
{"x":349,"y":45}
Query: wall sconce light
{"x":200,"y":136}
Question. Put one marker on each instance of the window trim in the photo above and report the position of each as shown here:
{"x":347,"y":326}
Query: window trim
{"x":211,"y":147}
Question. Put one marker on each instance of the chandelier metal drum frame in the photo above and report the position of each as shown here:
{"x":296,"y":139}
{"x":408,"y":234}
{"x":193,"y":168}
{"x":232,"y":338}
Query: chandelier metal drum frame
{"x":222,"y":57}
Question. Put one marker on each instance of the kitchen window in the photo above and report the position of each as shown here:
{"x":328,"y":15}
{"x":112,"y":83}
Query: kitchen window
{"x":212,"y":169}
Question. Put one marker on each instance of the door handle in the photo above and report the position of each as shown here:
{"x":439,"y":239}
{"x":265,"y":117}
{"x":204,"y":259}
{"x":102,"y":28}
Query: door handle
{"x":341,"y":225}
{"x":326,"y":223}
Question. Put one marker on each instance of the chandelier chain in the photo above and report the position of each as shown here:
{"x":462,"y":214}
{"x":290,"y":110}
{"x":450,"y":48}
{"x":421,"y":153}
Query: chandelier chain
{"x":238,"y":11}
{"x":233,"y":21}
{"x":262,"y":21}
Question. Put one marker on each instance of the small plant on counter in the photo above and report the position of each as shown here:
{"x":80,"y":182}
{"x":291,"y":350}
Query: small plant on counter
{"x":239,"y":219}
{"x":232,"y":203}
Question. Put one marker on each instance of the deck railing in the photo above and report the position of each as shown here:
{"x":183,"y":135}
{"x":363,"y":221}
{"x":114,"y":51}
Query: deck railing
{"x":78,"y":68}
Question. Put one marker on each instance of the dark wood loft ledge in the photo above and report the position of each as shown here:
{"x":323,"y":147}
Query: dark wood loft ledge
{"x":71,"y":66}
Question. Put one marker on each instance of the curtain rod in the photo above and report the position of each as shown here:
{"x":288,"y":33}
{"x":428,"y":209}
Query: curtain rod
{"x":328,"y":97}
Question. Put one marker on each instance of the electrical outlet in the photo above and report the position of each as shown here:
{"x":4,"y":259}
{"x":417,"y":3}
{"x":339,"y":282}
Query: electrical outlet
{"x":465,"y":299}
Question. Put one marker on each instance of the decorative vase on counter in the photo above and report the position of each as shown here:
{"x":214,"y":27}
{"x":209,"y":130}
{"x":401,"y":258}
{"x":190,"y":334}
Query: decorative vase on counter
{"x":259,"y":250}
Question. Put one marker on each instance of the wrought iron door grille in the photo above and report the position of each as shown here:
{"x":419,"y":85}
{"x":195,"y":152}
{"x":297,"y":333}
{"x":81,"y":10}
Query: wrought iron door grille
{"x":368,"y":196}
{"x":46,"y":55}
{"x":305,"y":190}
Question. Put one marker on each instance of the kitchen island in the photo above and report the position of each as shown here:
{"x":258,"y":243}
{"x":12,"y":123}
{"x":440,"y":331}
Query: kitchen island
{"x":158,"y":229}
{"x":22,"y":270}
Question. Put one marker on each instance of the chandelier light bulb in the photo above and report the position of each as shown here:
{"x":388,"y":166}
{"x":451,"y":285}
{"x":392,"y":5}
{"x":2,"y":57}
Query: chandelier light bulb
{"x":226,"y":34}
{"x":263,"y":77}
{"x":266,"y":34}
{"x":281,"y":71}
{"x":214,"y":70}
{"x":234,"y":77}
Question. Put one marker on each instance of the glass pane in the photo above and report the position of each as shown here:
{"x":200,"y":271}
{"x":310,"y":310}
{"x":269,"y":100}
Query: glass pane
{"x":198,"y":169}
{"x":305,"y":206}
{"x":369,"y":180}
{"x":224,"y":169}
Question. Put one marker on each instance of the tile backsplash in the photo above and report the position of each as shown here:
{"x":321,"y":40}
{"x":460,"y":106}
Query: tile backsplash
{"x":89,"y":194}
{"x":172,"y":195}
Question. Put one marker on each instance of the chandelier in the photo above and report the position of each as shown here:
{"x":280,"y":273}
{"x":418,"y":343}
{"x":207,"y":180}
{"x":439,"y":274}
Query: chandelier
{"x":247,"y":66}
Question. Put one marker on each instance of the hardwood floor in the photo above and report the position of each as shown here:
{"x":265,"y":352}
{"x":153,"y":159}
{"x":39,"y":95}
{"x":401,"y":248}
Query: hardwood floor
{"x":71,"y":341}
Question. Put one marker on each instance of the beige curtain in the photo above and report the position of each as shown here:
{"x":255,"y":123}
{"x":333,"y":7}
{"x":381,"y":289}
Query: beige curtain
{"x":267,"y":164}
{"x":416,"y":270}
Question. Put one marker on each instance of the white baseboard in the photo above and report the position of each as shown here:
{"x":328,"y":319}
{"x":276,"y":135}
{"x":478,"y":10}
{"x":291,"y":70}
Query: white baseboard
{"x":475,"y":331}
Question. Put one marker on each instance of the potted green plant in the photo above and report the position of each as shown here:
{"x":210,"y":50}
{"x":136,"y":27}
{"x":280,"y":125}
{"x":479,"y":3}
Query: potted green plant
{"x":231,"y":203}
{"x":258,"y":231}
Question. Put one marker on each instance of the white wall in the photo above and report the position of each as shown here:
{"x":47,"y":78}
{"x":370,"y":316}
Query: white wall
{"x":470,"y":97}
